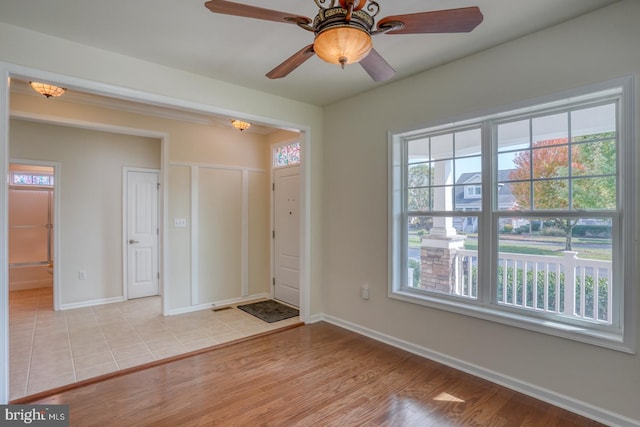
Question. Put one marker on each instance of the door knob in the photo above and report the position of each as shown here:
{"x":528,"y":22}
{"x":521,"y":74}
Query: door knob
{"x":131,"y":242}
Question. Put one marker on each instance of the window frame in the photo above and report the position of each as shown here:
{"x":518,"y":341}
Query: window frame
{"x":621,"y":334}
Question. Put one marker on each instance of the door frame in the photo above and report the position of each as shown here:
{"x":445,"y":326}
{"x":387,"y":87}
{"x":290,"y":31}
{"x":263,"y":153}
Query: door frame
{"x":58,"y":259}
{"x":125,"y":224}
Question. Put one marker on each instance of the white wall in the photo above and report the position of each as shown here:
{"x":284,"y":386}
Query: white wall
{"x":594,"y":48}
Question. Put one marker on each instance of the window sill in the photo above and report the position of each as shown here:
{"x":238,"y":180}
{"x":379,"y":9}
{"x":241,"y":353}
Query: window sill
{"x":611,"y":339}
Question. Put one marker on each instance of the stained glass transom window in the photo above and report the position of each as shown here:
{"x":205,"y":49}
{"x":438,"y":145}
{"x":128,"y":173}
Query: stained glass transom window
{"x":286,"y":155}
{"x":31,"y":179}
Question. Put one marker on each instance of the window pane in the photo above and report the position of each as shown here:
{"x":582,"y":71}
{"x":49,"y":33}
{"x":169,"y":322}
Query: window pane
{"x":418,"y":150}
{"x":536,"y":272}
{"x":468,"y":170}
{"x":442,"y":146}
{"x":418,"y":199}
{"x":514,"y":166}
{"x":419,"y":175}
{"x":447,"y":269}
{"x":594,"y":158}
{"x":550,"y":162}
{"x":553,"y":129}
{"x":594,"y":193}
{"x":468,"y":142}
{"x":513,"y":136}
{"x":286,"y":155}
{"x":468,"y":197}
{"x":591,"y":123}
{"x":552,"y":194}
{"x":516,"y":195}
{"x":293,"y":155}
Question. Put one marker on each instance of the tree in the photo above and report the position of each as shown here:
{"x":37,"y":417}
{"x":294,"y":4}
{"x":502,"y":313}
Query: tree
{"x":419,"y":177}
{"x":551,"y":165}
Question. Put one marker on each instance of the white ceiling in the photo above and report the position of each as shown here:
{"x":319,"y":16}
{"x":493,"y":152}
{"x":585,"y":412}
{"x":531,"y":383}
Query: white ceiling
{"x":183,"y":34}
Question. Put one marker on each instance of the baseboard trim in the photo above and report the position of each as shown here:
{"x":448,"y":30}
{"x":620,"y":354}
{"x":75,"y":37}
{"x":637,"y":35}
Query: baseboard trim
{"x":582,"y":408}
{"x":218,"y":304}
{"x":90,"y":303}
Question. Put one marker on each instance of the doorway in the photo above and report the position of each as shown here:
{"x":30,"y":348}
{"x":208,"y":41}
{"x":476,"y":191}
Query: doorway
{"x":31,"y":226}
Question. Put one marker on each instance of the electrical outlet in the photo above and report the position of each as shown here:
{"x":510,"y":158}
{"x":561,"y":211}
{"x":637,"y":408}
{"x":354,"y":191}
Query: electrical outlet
{"x":180,"y":222}
{"x":82,"y":274}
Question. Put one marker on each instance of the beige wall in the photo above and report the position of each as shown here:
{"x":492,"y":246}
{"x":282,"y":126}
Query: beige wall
{"x":92,"y":220}
{"x":594,"y":48}
{"x":90,"y":191}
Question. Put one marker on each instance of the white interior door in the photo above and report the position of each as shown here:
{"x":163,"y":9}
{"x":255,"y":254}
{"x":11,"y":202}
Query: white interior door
{"x":142,"y":234}
{"x":287,"y":235}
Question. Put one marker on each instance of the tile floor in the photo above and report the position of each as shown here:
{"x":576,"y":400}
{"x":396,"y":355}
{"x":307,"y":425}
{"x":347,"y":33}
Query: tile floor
{"x":50,"y":348}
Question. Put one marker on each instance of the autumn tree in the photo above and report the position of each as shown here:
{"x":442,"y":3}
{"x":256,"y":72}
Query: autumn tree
{"x":591,"y":164}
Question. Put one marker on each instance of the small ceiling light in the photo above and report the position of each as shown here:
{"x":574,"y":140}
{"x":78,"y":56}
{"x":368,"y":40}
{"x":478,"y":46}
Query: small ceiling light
{"x":240,"y":125}
{"x":47,"y":89}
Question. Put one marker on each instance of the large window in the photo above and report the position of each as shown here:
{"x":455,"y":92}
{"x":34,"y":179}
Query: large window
{"x":524,"y":217}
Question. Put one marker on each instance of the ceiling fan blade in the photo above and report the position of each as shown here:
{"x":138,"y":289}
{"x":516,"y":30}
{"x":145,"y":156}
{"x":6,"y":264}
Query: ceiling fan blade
{"x":460,"y":20}
{"x":237,"y":9}
{"x":375,"y":65}
{"x":293,"y":62}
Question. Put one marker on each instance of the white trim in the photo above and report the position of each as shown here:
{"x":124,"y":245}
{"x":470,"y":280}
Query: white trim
{"x":4,"y":233}
{"x":221,"y":303}
{"x":244,"y":235}
{"x":91,"y":303}
{"x":566,"y":402}
{"x":217,"y":166}
{"x":195,"y":252}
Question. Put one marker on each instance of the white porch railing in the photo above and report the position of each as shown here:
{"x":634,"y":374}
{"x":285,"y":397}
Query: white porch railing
{"x":565,"y":285}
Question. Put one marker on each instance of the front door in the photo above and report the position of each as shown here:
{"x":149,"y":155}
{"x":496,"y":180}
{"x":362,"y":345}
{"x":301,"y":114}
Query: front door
{"x":287,"y":235}
{"x":142,"y":234}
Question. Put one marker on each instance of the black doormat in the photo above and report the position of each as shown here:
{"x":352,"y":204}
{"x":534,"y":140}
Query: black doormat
{"x":270,"y":311}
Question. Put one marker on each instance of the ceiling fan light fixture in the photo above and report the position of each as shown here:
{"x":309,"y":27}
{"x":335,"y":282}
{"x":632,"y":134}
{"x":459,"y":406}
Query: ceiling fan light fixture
{"x":47,"y":89}
{"x":342,"y":45}
{"x":240,"y":125}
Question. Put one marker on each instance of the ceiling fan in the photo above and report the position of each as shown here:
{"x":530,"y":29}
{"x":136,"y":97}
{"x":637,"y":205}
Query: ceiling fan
{"x":343,"y":30}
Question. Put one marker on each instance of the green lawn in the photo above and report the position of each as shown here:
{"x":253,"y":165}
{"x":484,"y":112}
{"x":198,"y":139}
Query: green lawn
{"x":539,"y":245}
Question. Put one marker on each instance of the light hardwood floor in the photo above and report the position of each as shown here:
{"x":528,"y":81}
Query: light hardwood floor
{"x":49,"y":349}
{"x":311,"y":375}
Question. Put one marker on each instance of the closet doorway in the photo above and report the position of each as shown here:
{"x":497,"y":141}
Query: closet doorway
{"x":31,"y":226}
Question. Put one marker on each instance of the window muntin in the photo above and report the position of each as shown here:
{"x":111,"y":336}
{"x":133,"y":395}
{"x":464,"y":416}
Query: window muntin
{"x":581,"y":189}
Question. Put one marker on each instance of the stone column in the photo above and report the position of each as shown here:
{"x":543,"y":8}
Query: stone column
{"x":438,"y":253}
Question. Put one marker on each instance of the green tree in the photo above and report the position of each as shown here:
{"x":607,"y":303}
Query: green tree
{"x":419,"y":177}
{"x":580,"y":175}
